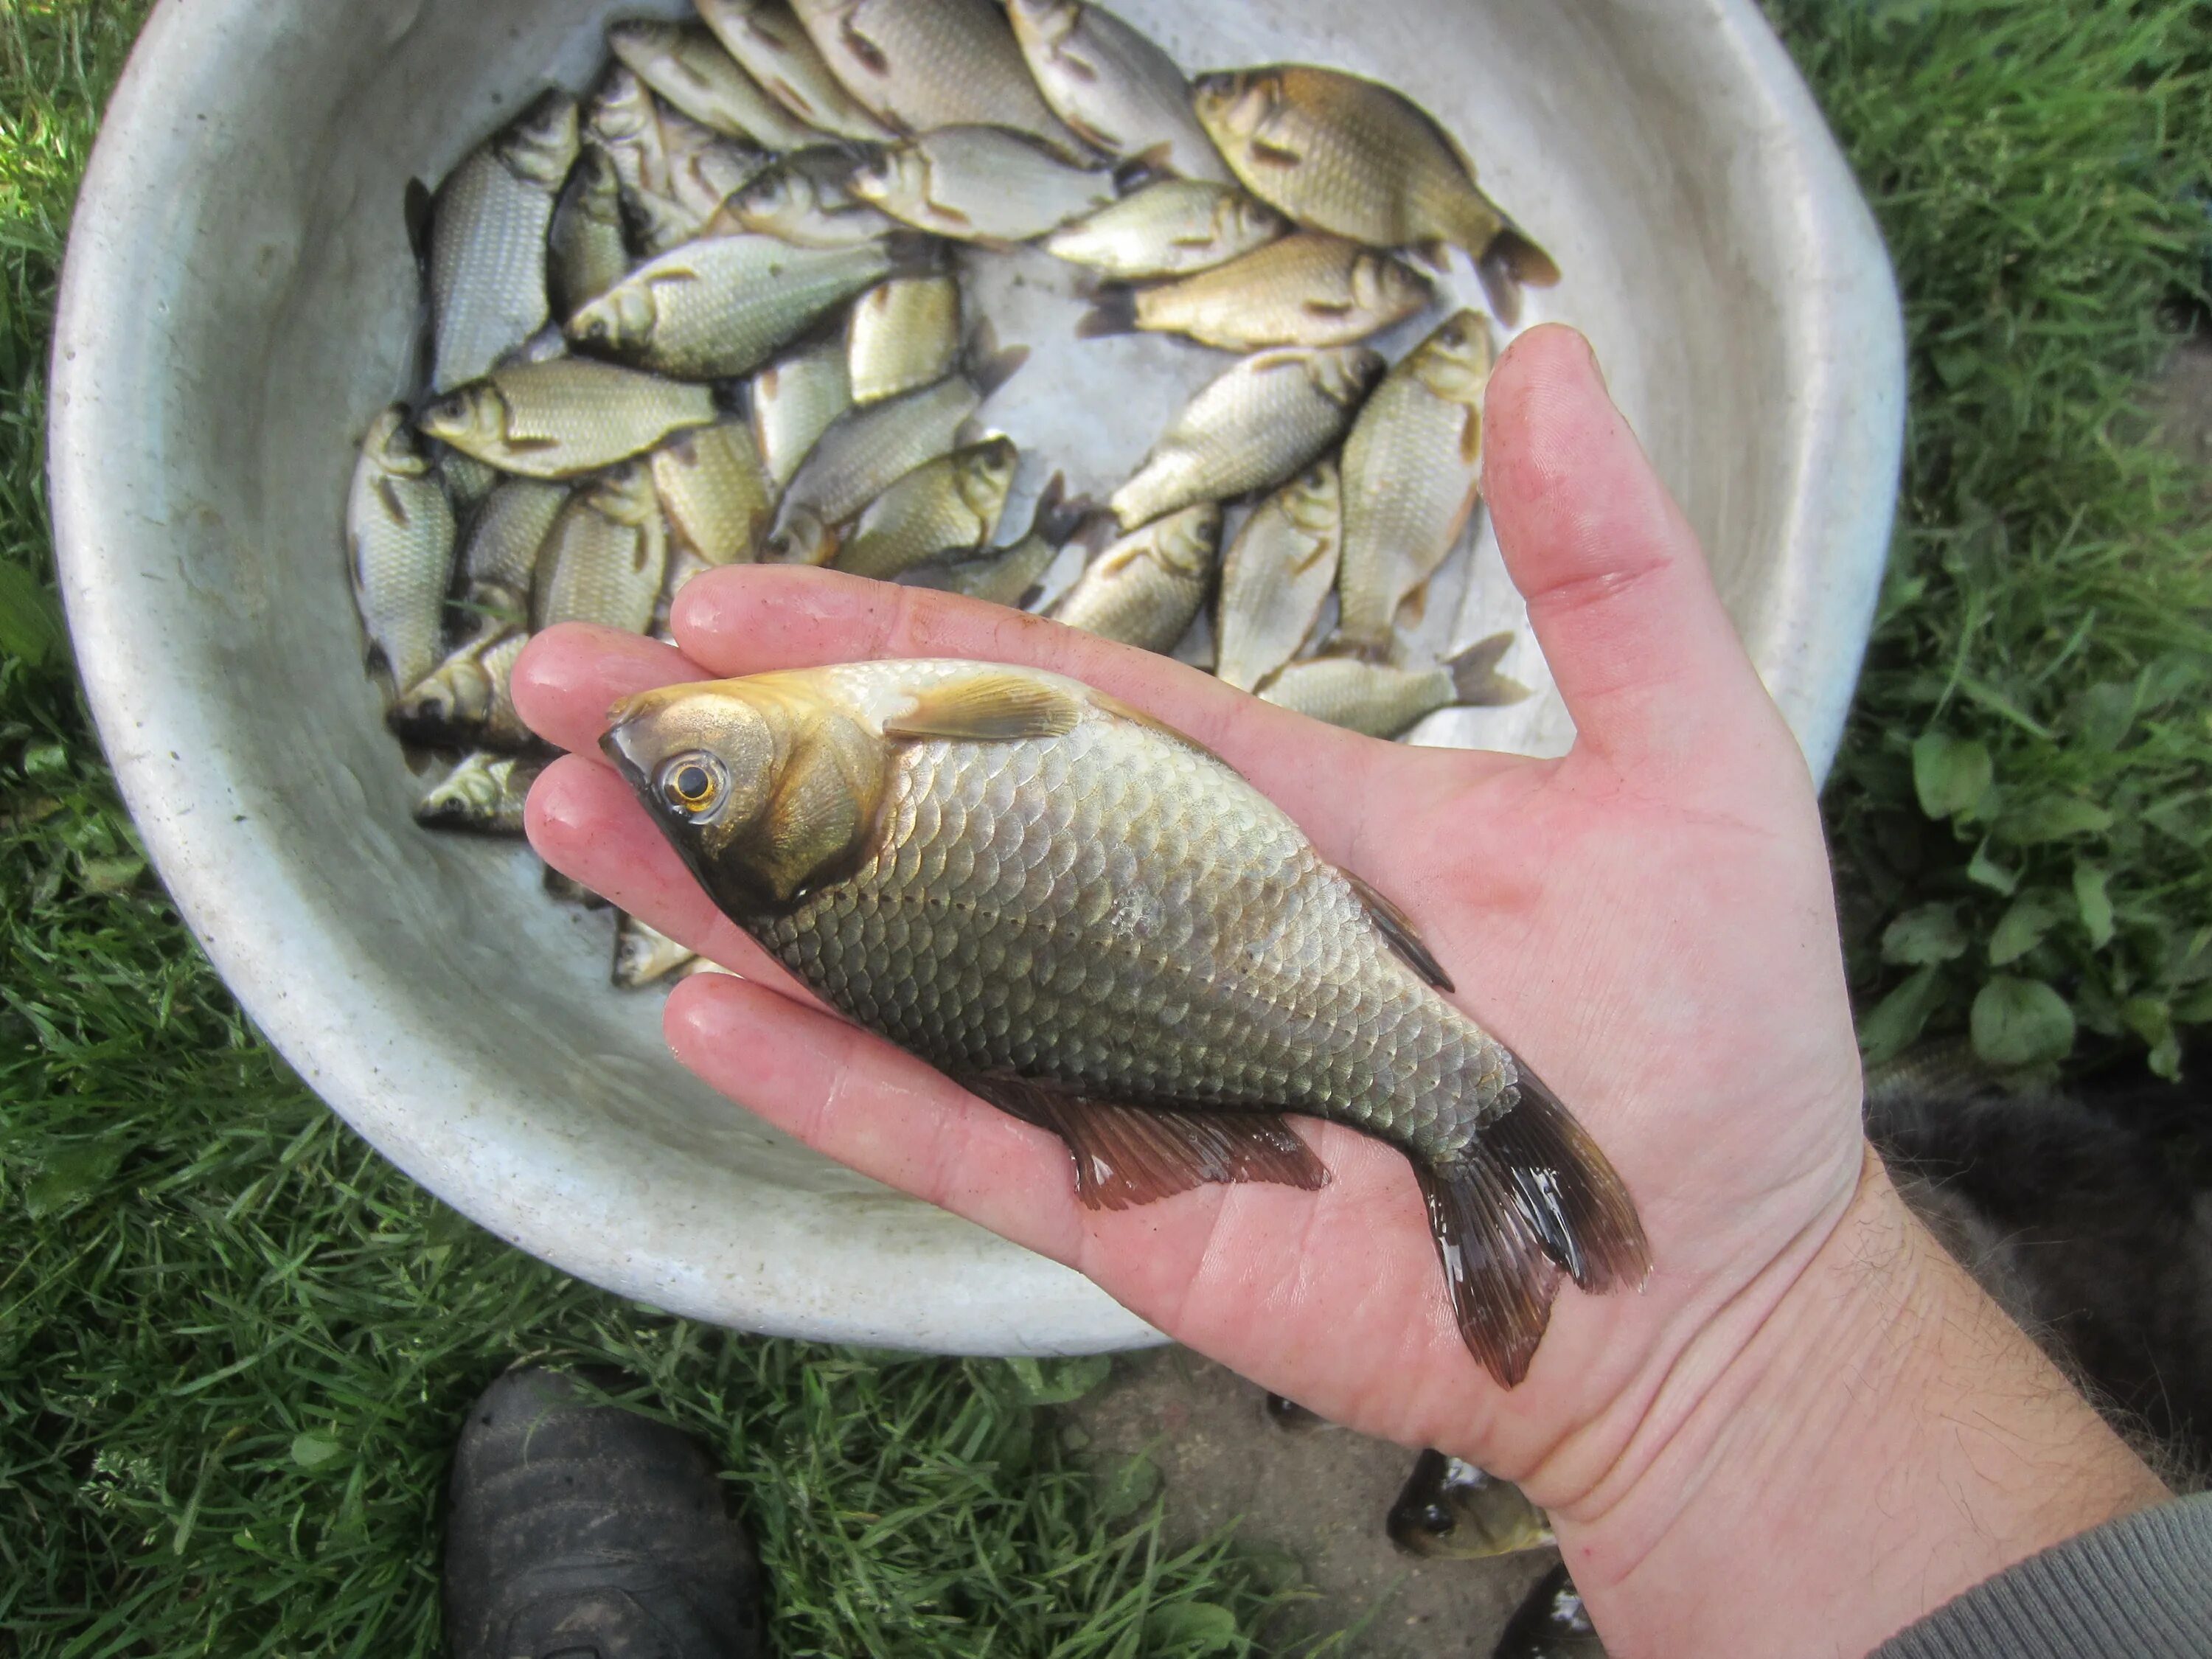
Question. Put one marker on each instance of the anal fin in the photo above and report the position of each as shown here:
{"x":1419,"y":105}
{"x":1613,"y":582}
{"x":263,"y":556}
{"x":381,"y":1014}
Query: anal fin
{"x":1395,"y":926}
{"x":1126,"y":1156}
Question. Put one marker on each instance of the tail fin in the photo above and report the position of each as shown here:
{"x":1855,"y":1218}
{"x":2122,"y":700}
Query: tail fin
{"x":1113,"y":311}
{"x":1510,"y":262}
{"x":1532,"y":1198}
{"x":988,"y":364}
{"x":1476,"y":681}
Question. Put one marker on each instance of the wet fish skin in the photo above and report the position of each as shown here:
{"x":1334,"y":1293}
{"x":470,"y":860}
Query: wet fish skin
{"x":1451,"y":1509}
{"x":1384,"y":701}
{"x":805,"y":199}
{"x":1351,"y":156}
{"x":918,"y":65}
{"x":793,"y":402}
{"x":1114,"y":88}
{"x":1265,"y":418}
{"x":1412,"y":469}
{"x":1084,"y":917}
{"x":1147,"y":588}
{"x":766,"y":37}
{"x":942,"y":508}
{"x":1307,"y":289}
{"x":903,"y":335}
{"x":487,"y":241}
{"x":464,"y":702}
{"x":468,"y":480}
{"x":645,"y":955}
{"x":607,"y":556}
{"x":715,"y":491}
{"x":1277,"y":576}
{"x":587,"y":253}
{"x":399,"y":539}
{"x":1008,"y":576}
{"x":1169,"y":228}
{"x":865,"y":451}
{"x":685,"y":64}
{"x":484,"y":794}
{"x":499,"y":562}
{"x":564,"y":418}
{"x":723,"y":306}
{"x":979,"y":184}
{"x":674,"y":173}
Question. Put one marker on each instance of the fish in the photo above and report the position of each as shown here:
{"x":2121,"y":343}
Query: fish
{"x":683,"y":565}
{"x":1382,"y":701}
{"x":604,"y":560}
{"x":980,"y":184}
{"x":469,"y":481}
{"x":1307,"y":289}
{"x":861,"y":454}
{"x":767,"y":38}
{"x":1148,"y":587}
{"x":794,"y":401}
{"x":1277,"y":576}
{"x":1551,"y":1623}
{"x":567,"y":889}
{"x":1084,"y":917}
{"x":1115,"y":88}
{"x":643,"y":954}
{"x":917,"y":65}
{"x":465,"y":703}
{"x":903,"y":335}
{"x":675,"y":172}
{"x":1169,"y":228}
{"x":1008,"y":576}
{"x":1361,"y":159}
{"x":685,"y":64}
{"x":1269,"y":416}
{"x":805,"y":199}
{"x":716,"y":492}
{"x":723,"y":306}
{"x":1450,"y":1508}
{"x":1413,"y":468}
{"x":942,"y":507}
{"x":484,"y":794}
{"x":567,"y":417}
{"x":499,"y":560}
{"x":489,"y":223}
{"x":588,"y":254}
{"x":399,"y":539}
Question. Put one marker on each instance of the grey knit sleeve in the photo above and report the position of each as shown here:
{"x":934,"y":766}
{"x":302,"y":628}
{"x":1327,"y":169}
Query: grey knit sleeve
{"x":2138,"y":1587}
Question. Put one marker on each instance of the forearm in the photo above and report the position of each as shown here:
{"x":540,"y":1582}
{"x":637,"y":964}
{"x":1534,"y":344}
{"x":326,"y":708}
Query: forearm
{"x":1887,"y":1438}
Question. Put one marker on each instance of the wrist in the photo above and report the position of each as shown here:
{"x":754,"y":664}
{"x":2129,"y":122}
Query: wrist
{"x":1882,"y":1439}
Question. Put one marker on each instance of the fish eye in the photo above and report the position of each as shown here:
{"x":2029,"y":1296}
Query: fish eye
{"x":693,"y":784}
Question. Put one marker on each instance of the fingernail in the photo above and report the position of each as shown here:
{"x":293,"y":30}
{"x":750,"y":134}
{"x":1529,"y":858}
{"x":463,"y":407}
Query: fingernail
{"x":1596,"y":367}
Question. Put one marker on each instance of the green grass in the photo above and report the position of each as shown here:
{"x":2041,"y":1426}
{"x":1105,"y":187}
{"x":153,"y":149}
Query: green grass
{"x":233,"y":1343}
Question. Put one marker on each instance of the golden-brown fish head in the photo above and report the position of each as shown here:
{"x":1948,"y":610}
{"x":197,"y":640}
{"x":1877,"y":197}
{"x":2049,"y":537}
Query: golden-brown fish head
{"x":1344,"y":374}
{"x":393,"y":444}
{"x":643,"y":42}
{"x":540,"y":147}
{"x":471,"y":418}
{"x":984,"y":474}
{"x":620,"y":320}
{"x":1186,"y":542}
{"x":1314,"y":501}
{"x":803,"y":540}
{"x":625,"y":494}
{"x":1236,"y":105}
{"x":1239,"y":220}
{"x":622,"y":110}
{"x":780,"y":196}
{"x":449,"y":708}
{"x":896,"y":172}
{"x":1455,"y":361}
{"x":1380,"y":284}
{"x":1044,"y":22}
{"x":1452,"y":1509}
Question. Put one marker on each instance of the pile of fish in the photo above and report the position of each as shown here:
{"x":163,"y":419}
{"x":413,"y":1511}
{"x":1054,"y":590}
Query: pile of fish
{"x":714,"y":313}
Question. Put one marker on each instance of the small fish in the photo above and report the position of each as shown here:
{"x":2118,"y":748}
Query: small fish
{"x":1266,"y":418}
{"x":1361,"y":159}
{"x":1451,"y":1509}
{"x":1307,"y":289}
{"x":768,"y":39}
{"x":917,"y":65}
{"x":560,"y":419}
{"x":469,"y":481}
{"x":1010,"y":575}
{"x":644,"y":955}
{"x":1148,"y":587}
{"x":1413,"y":466}
{"x":687,"y":66}
{"x":1169,"y":228}
{"x":1551,"y":1623}
{"x":500,"y":560}
{"x":942,"y":508}
{"x":487,"y":241}
{"x":1085,"y":918}
{"x":588,"y":254}
{"x":1116,"y":89}
{"x":715,"y":491}
{"x":903,"y":335}
{"x":675,"y":172}
{"x":793,"y":402}
{"x":605,"y":558}
{"x":567,"y":889}
{"x":1382,"y":701}
{"x":683,"y":565}
{"x":864,"y":452}
{"x":805,"y":199}
{"x":980,"y":184}
{"x":484,"y":794}
{"x":399,"y":536}
{"x":721,"y":306}
{"x":464,"y":702}
{"x":1277,"y":576}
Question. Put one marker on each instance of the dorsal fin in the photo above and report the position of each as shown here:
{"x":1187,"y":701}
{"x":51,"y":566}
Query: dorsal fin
{"x":988,"y":708}
{"x":1114,"y":706}
{"x":1397,"y":926}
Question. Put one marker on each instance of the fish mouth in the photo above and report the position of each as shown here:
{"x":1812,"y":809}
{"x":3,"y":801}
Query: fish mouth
{"x":623,"y":742}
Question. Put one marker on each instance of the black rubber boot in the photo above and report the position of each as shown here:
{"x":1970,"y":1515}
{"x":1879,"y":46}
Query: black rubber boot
{"x":581,"y":1531}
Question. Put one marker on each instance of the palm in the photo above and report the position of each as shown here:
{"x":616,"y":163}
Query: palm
{"x":1647,"y":922}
